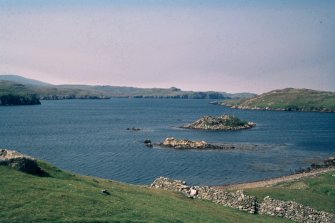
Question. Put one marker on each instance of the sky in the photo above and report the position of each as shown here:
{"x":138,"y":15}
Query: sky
{"x":232,"y":46}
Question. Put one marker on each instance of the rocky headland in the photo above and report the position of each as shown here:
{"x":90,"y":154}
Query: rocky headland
{"x":223,"y":122}
{"x":201,"y":145}
{"x":15,"y":99}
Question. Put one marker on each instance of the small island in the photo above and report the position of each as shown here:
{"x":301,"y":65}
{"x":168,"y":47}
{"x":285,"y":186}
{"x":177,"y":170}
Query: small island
{"x":202,"y":145}
{"x":223,"y":122}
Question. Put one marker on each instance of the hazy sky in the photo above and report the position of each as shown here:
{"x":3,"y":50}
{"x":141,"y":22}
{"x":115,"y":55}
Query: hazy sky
{"x":231,"y":46}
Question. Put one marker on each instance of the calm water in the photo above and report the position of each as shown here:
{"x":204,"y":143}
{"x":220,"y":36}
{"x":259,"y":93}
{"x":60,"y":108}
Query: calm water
{"x":90,"y":137}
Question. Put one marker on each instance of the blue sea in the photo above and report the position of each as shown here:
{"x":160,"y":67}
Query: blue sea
{"x":90,"y":137}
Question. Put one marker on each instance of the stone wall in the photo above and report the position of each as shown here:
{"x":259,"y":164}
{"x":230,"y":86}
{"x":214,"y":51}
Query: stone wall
{"x":236,"y":199}
{"x":286,"y":209}
{"x":294,"y":211}
{"x":230,"y":199}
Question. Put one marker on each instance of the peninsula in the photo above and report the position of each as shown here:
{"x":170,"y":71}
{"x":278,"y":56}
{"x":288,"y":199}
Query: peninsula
{"x":288,"y":99}
{"x":223,"y":122}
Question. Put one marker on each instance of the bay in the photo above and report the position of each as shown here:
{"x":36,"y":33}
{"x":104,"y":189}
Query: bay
{"x":90,"y":137}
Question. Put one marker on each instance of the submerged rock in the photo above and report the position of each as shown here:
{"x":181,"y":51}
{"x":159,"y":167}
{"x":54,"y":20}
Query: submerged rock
{"x":223,"y":122}
{"x":133,"y":129}
{"x":20,"y":162}
{"x":148,"y":143}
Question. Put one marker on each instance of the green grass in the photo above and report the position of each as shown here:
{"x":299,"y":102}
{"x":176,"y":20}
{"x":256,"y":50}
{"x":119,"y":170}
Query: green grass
{"x":316,"y":192}
{"x":65,"y":197}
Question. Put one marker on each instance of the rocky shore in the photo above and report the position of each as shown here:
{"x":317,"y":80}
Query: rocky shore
{"x":223,"y":122}
{"x":202,"y":145}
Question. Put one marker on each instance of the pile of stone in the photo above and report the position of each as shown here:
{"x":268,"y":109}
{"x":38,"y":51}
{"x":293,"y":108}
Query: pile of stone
{"x":235,"y":200}
{"x":294,"y":211}
{"x":20,"y":162}
{"x":223,"y":122}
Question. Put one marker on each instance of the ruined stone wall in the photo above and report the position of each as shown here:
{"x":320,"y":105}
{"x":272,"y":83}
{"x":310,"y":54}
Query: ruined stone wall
{"x":286,"y":209}
{"x":230,"y":199}
{"x":294,"y":211}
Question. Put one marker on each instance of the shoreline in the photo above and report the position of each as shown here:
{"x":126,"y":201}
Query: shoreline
{"x":273,"y":181}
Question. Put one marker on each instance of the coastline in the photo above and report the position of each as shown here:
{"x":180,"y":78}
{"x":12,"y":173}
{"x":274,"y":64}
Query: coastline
{"x":273,"y":181}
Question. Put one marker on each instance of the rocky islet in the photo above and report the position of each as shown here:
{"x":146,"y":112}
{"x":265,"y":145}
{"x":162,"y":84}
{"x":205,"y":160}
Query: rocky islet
{"x":223,"y":122}
{"x":174,"y":143}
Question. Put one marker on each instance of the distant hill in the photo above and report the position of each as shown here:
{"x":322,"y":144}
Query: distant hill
{"x":23,"y":80}
{"x":289,"y":99}
{"x":53,"y":92}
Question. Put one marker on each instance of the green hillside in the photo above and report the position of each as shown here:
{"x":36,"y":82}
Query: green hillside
{"x":65,"y":197}
{"x":289,"y":99}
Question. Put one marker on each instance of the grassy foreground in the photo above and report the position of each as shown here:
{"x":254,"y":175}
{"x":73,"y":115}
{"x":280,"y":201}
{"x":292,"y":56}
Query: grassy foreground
{"x":316,"y":192}
{"x":65,"y":197}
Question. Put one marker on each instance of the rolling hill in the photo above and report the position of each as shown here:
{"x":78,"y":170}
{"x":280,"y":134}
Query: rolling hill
{"x":51,"y":92}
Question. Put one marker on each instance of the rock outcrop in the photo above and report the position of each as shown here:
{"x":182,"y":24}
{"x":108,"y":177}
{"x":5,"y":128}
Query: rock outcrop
{"x":20,"y":162}
{"x":223,"y":122}
{"x":201,"y":145}
{"x":294,"y":211}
